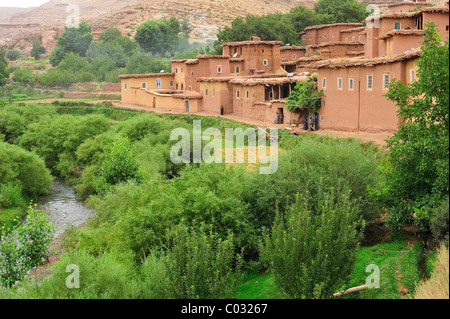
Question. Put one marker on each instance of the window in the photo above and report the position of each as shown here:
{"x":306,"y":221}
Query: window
{"x":369,"y":81}
{"x":360,"y":38}
{"x":446,"y":28}
{"x":247,"y":94}
{"x":176,"y":86}
{"x":353,"y":39}
{"x":182,"y":86}
{"x":310,"y":37}
{"x":219,"y":69}
{"x":324,"y":82}
{"x":397,"y":25}
{"x":214,"y":92}
{"x":346,"y":39}
{"x":386,"y":80}
{"x":125,"y":86}
{"x":181,"y":70}
{"x":265,"y":62}
{"x":176,"y":70}
{"x":304,"y":37}
{"x":332,"y":35}
{"x":238,"y":94}
{"x":192,"y":72}
{"x":339,"y":83}
{"x":294,"y":57}
{"x":190,"y":88}
{"x":144,"y":85}
{"x":206,"y":91}
{"x":171,"y":83}
{"x":411,"y":75}
{"x":262,"y":51}
{"x":238,"y":69}
{"x":325,"y":36}
{"x":351,"y":83}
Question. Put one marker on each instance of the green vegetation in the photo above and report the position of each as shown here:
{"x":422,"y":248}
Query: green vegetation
{"x":312,"y":252}
{"x":37,"y":49}
{"x":136,"y":215}
{"x":418,"y":171}
{"x":23,"y":247}
{"x":3,"y":68}
{"x":286,"y":27}
{"x":12,"y":55}
{"x":305,"y":96}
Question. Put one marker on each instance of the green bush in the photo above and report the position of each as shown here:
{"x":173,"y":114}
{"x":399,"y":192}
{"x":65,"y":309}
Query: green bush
{"x":439,"y":222}
{"x":62,"y":134}
{"x":120,"y":165}
{"x":312,"y":252}
{"x":10,"y":195}
{"x":24,"y":169}
{"x":106,"y":276}
{"x":201,"y":265}
{"x":24,"y":247}
{"x":13,"y":55}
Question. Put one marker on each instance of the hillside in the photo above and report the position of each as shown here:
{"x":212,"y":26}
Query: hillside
{"x":7,"y":12}
{"x":205,"y":17}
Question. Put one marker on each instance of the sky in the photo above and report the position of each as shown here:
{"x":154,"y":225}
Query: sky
{"x":22,"y":3}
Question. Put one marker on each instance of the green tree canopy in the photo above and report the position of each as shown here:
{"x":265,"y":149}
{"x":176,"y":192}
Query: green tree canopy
{"x":37,"y":49}
{"x":339,"y":11}
{"x":160,"y":36}
{"x":3,"y":65}
{"x":75,"y":40}
{"x":418,"y":174}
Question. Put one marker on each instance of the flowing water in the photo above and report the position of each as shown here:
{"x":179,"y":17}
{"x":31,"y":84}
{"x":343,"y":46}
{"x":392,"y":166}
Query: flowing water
{"x":64,"y":207}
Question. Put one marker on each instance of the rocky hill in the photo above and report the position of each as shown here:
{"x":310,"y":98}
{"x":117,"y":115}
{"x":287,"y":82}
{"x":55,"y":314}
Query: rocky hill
{"x":205,"y":17}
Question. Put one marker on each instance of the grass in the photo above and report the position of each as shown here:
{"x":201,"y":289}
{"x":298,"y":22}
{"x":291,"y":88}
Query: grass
{"x":258,"y":287}
{"x":397,"y":262}
{"x":437,"y":286}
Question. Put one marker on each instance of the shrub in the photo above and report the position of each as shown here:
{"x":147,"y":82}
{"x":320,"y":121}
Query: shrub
{"x":10,"y":195}
{"x":13,"y":55}
{"x":312,"y":253}
{"x":119,"y":165}
{"x":108,"y":275}
{"x":201,"y":265}
{"x":24,"y":247}
{"x":24,"y":169}
{"x":439,"y":223}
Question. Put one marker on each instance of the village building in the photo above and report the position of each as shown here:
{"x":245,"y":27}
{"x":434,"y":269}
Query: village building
{"x":354,"y":88}
{"x":354,"y":64}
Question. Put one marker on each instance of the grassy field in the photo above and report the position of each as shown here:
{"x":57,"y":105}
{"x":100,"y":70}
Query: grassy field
{"x":399,"y":273}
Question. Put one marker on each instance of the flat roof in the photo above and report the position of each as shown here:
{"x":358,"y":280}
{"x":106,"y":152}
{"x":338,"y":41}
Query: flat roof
{"x":149,"y":75}
{"x":366,"y":62}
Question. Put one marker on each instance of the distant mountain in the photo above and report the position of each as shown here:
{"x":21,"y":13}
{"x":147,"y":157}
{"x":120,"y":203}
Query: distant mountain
{"x":7,"y":12}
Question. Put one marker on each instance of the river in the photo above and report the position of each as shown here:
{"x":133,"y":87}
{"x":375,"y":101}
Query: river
{"x":63,"y":206}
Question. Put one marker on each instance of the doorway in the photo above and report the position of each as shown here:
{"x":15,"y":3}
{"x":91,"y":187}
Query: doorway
{"x":187,"y":106}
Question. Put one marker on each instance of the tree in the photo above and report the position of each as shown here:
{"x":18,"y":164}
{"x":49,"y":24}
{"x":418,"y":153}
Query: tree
{"x":304,"y":96}
{"x":75,"y":40}
{"x":3,"y":71}
{"x":160,"y":36}
{"x":312,"y":253}
{"x":337,"y":11}
{"x":37,"y":49}
{"x":13,"y":55}
{"x":200,"y":265}
{"x":418,"y":171}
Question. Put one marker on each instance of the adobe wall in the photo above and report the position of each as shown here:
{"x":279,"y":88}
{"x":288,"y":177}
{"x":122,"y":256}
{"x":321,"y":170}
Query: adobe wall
{"x":291,"y":53}
{"x":441,"y":21}
{"x":360,"y":109}
{"x":133,"y":93}
{"x":335,"y":50}
{"x":219,"y":94}
{"x":399,"y":43}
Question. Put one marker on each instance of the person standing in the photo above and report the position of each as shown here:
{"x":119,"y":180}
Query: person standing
{"x":305,"y":123}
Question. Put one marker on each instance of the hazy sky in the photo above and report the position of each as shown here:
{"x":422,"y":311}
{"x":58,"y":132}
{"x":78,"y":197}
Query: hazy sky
{"x":22,"y":3}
